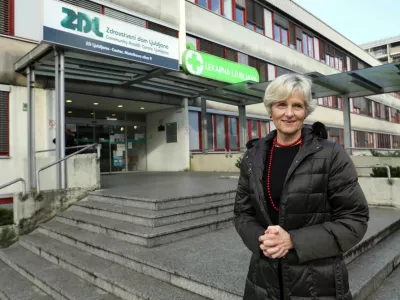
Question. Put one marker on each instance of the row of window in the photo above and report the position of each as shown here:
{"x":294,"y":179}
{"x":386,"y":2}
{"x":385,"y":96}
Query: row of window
{"x":223,"y":134}
{"x":364,"y":139}
{"x":257,"y":17}
{"x":364,"y":106}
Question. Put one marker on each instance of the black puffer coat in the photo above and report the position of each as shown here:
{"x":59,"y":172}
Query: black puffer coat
{"x":322,"y":207}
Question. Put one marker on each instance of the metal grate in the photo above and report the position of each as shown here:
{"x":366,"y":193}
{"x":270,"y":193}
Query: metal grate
{"x":89,"y":5}
{"x":124,"y":17}
{"x":4,"y":17}
{"x":4,"y":118}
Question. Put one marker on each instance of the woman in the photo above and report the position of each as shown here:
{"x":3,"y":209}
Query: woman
{"x":298,"y":205}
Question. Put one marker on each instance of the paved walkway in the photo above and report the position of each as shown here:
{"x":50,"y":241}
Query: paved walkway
{"x":166,"y":185}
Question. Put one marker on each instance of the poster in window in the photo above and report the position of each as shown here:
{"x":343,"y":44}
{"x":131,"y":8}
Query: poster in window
{"x":172,"y":132}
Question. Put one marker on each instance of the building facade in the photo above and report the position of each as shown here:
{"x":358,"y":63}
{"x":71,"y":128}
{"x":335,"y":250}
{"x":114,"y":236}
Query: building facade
{"x":144,"y":129}
{"x":386,"y":50}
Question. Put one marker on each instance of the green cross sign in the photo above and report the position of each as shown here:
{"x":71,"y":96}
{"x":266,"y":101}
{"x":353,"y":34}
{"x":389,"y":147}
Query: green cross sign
{"x":216,"y":68}
{"x":194,"y":62}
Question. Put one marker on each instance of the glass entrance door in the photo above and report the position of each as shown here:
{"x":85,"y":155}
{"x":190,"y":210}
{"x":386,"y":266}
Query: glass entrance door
{"x":102,"y":134}
{"x":118,"y":148}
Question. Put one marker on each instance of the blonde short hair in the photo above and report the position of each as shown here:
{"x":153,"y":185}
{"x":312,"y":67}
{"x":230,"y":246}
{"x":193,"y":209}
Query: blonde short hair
{"x":283,"y":86}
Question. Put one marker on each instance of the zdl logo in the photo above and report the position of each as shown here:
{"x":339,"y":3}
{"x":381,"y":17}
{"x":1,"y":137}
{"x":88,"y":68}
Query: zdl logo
{"x":83,"y":22}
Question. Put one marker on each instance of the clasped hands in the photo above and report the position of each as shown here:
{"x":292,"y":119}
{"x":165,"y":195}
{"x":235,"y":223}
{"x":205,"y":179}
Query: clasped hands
{"x":275,"y":242}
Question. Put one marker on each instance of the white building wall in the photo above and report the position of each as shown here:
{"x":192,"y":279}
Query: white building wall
{"x":16,"y":163}
{"x":28,"y":19}
{"x":163,"y":156}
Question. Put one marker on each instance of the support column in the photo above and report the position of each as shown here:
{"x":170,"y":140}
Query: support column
{"x":182,"y":28}
{"x":31,"y":129}
{"x":347,"y":124}
{"x":204,"y":125}
{"x":185,"y":107}
{"x":243,"y":127}
{"x":62,"y":120}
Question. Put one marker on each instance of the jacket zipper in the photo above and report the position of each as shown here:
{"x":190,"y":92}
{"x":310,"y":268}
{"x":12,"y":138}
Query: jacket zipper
{"x":283,"y":260}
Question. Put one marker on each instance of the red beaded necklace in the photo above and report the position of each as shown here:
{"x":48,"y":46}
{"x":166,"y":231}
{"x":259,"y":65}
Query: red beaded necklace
{"x":275,"y":143}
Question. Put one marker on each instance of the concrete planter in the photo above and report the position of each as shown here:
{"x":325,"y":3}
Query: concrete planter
{"x":378,"y":191}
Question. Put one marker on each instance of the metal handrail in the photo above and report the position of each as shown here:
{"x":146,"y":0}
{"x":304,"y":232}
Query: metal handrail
{"x":24,"y":192}
{"x":389,"y":175}
{"x":67,"y":148}
{"x":61,"y":160}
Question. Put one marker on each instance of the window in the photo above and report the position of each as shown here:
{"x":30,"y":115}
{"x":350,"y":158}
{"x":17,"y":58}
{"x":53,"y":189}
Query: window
{"x":362,"y":106}
{"x":228,"y":9}
{"x":255,"y":15}
{"x":395,"y":115}
{"x":336,"y":135}
{"x":203,"y":3}
{"x":387,"y":113}
{"x":363,"y":139}
{"x":254,"y":130}
{"x":381,"y":111}
{"x":383,"y":141}
{"x":220,"y":132}
{"x":299,"y":45}
{"x":211,"y":48}
{"x":261,"y":67}
{"x":396,"y":141}
{"x":333,"y":102}
{"x":308,"y":45}
{"x":213,"y":5}
{"x":210,"y":132}
{"x":195,"y":131}
{"x":265,"y":129}
{"x":239,"y":16}
{"x":4,"y":124}
{"x":5,"y":17}
{"x":281,"y":35}
{"x":233,"y":125}
{"x":162,"y":29}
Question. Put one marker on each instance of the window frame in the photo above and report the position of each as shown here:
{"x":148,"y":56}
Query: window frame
{"x":200,"y":130}
{"x":7,"y":142}
{"x":281,"y":35}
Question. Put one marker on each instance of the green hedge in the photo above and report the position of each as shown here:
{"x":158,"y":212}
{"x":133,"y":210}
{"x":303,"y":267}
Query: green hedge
{"x":381,"y":172}
{"x":387,"y":154}
{"x":6,"y":217}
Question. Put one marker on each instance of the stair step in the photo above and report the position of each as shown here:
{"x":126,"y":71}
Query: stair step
{"x":144,"y":235}
{"x":368,"y":271}
{"x":51,"y":278}
{"x":153,"y":218}
{"x":160,"y":204}
{"x":14,"y":286}
{"x":114,"y":278}
{"x":137,"y":258}
{"x":390,"y":288}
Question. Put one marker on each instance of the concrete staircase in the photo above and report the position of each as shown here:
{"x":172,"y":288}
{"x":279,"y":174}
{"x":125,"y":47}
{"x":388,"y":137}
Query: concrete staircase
{"x":103,"y":248}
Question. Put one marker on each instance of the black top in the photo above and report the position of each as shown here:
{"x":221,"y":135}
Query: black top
{"x":283,"y":158}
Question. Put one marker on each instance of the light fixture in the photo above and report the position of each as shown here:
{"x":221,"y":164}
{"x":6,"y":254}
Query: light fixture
{"x":68,"y":101}
{"x":70,"y":112}
{"x":135,"y":127}
{"x":122,"y":129}
{"x":92,"y":114}
{"x":113,"y":115}
{"x":120,"y":106}
{"x":111,"y":119}
{"x":95,"y":103}
{"x":142,"y":108}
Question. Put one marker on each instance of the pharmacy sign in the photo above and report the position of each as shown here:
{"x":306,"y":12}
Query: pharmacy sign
{"x":216,"y":68}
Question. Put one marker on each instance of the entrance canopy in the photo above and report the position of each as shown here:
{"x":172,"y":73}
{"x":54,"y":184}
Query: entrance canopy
{"x":91,"y":67}
{"x":365,"y":82}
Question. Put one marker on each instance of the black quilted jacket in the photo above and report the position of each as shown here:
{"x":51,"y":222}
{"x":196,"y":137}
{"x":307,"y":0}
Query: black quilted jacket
{"x":322,"y":207}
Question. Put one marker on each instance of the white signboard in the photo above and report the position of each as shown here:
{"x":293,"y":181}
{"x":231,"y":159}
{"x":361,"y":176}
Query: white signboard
{"x":72,"y":26}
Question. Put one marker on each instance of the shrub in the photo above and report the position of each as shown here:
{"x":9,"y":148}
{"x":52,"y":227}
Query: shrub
{"x":238,"y":162}
{"x":386,"y":154}
{"x":6,"y":217}
{"x":381,"y":172}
